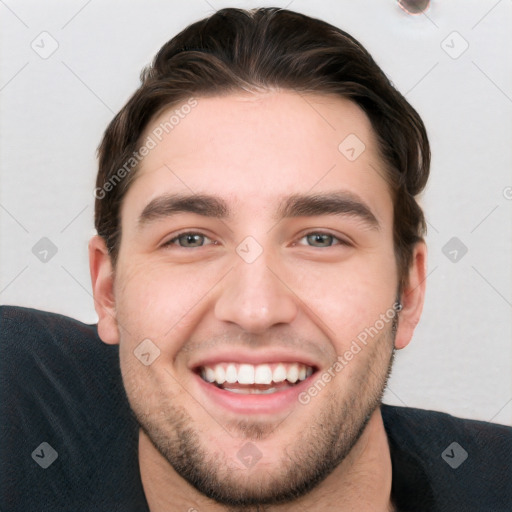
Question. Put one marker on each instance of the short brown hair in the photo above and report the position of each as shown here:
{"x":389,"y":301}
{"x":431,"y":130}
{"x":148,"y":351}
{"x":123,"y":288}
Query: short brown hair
{"x":266,"y":48}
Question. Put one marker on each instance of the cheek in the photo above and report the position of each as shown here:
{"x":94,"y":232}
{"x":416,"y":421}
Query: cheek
{"x":154,"y":299}
{"x":350,"y":296}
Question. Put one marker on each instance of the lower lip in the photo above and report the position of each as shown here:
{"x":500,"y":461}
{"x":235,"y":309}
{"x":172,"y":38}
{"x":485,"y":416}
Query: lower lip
{"x":271,"y":403}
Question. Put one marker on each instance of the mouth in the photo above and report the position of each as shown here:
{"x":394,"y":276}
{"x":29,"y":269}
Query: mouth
{"x":260,"y":379}
{"x":248,"y":389}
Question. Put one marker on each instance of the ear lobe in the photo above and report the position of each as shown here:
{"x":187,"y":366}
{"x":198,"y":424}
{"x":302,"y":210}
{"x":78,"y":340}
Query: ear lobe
{"x":412,"y":297}
{"x":102,"y":277}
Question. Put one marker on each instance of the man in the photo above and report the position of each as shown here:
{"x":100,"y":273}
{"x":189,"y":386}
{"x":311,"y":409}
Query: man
{"x":259,"y":259}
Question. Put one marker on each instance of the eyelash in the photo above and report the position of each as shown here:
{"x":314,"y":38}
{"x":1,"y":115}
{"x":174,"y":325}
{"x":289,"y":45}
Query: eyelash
{"x":171,"y":242}
{"x":338,"y":240}
{"x":184,"y":233}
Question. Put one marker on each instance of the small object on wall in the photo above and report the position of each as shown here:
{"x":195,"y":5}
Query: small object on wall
{"x":414,"y":6}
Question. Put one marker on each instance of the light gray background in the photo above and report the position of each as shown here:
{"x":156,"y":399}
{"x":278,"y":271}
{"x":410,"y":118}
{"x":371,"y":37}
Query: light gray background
{"x":54,"y":111}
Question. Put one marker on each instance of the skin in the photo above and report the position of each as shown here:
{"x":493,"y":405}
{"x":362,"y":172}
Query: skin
{"x":255,"y":149}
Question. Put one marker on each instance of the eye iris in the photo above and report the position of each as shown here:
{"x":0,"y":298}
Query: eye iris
{"x":320,"y":239}
{"x":191,"y":240}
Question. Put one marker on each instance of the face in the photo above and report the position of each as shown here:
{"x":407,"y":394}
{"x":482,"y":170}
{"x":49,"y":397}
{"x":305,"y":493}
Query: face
{"x":256,"y":252}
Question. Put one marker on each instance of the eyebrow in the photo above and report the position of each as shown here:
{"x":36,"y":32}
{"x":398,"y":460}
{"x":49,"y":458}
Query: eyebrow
{"x":335,"y":203}
{"x":297,"y":205}
{"x":169,"y":205}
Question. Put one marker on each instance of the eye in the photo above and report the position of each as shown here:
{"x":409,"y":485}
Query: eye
{"x":188,"y":240}
{"x":322,"y":240}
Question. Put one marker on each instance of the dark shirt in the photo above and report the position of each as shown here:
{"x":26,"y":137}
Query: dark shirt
{"x":61,"y":385}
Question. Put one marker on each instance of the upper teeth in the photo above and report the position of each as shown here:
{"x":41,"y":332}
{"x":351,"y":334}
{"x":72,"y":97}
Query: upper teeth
{"x":255,"y":374}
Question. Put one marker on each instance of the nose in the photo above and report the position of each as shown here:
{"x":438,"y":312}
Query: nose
{"x":255,"y":297}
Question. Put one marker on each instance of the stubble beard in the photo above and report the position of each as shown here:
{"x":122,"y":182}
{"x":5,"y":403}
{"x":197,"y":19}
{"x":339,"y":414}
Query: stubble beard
{"x":320,"y":446}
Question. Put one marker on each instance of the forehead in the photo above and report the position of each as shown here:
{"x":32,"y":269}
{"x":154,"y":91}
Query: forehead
{"x":254,"y":148}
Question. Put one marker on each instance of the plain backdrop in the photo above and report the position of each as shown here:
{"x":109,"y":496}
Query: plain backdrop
{"x":68,"y":67}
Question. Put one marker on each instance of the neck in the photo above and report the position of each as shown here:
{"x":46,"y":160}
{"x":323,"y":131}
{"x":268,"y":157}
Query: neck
{"x":361,"y":482}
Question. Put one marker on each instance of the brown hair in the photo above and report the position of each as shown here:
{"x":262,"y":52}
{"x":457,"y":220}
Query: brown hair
{"x":265,"y":48}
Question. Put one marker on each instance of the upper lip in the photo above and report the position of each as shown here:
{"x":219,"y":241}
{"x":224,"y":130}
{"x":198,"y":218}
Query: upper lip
{"x":252,"y":357}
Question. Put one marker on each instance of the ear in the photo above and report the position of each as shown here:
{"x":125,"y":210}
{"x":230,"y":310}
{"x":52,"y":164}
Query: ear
{"x":102,"y":277}
{"x":412,"y":297}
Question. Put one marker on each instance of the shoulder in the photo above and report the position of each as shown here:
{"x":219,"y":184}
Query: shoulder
{"x":465,"y":461}
{"x":23,"y":328}
{"x":413,"y":424}
{"x":40,"y":350}
{"x":61,"y":393}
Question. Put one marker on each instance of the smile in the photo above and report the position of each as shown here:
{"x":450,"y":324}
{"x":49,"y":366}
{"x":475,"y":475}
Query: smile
{"x":255,"y":379}
{"x":243,"y":382}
